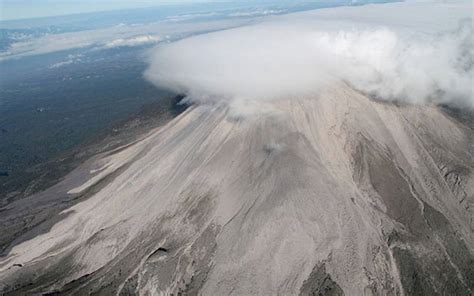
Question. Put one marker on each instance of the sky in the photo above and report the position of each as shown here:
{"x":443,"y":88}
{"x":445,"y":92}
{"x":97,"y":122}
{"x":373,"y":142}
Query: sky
{"x":24,"y":9}
{"x":20,"y":9}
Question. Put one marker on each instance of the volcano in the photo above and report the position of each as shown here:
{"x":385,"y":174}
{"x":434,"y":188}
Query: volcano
{"x":331,"y":194}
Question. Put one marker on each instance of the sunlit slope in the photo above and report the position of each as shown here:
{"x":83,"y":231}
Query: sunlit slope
{"x":335,"y":193}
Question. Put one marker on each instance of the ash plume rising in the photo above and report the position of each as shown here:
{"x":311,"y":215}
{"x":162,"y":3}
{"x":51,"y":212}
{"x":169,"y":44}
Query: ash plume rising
{"x":410,"y":52}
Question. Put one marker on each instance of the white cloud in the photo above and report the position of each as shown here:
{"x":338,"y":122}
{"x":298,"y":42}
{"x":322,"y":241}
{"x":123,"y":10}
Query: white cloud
{"x":190,"y":16}
{"x":417,"y":52}
{"x":123,"y":35}
{"x":256,"y":13}
{"x":71,"y":59}
{"x":61,"y":64}
{"x":133,"y":41}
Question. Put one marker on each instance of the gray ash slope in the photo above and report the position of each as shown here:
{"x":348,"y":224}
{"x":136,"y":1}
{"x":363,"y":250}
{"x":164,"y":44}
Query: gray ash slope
{"x":336,"y":194}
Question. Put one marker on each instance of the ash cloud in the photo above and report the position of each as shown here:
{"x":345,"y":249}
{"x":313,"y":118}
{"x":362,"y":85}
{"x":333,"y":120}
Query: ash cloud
{"x":412,"y":52}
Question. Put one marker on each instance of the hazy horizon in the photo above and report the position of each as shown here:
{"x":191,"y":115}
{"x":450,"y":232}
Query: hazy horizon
{"x":11,"y":10}
{"x":26,"y":9}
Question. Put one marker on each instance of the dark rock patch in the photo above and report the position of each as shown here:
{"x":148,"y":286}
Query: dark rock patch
{"x":375,"y":166}
{"x":319,"y":283}
{"x":455,"y":247}
{"x":130,"y":287}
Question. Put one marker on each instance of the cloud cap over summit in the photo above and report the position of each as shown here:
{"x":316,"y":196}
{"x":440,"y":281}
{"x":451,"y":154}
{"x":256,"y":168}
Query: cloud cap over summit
{"x":413,"y":52}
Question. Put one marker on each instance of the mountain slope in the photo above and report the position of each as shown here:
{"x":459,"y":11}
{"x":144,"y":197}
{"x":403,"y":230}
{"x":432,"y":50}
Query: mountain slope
{"x":336,"y":194}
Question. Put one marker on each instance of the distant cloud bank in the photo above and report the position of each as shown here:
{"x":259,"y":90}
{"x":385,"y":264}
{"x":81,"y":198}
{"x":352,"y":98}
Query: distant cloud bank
{"x":418,"y":52}
{"x":111,"y":37}
{"x":133,"y":41}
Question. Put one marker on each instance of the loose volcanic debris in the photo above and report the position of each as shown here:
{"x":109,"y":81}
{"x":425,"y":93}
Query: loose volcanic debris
{"x":330,"y":195}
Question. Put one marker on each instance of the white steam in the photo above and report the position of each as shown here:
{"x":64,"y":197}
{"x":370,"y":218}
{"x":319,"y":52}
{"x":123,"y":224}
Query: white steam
{"x":415,"y":52}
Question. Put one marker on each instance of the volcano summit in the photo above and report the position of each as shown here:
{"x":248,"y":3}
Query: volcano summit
{"x":307,"y":199}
